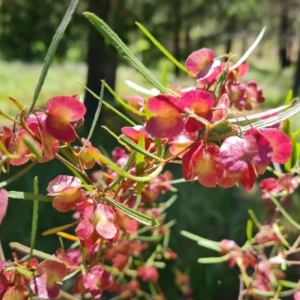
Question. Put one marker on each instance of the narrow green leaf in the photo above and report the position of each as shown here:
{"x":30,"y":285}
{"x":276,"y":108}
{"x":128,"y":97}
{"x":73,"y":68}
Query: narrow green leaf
{"x":59,"y":228}
{"x":126,"y":168}
{"x":159,"y":264}
{"x":209,"y":245}
{"x":136,"y":147}
{"x":296,"y":153}
{"x":213,"y":260}
{"x":52,"y":49}
{"x":164,"y":75}
{"x":123,"y":50}
{"x":289,"y":284}
{"x":122,"y":102}
{"x":289,"y":97}
{"x":149,"y":238}
{"x":33,"y":147}
{"x":254,"y":218}
{"x":121,"y":172}
{"x":202,"y":241}
{"x":35,"y":216}
{"x":96,"y":117}
{"x":284,"y":212}
{"x":249,"y":230}
{"x":109,"y":106}
{"x":140,"y":164}
{"x":29,"y":196}
{"x":160,"y":148}
{"x":24,"y":272}
{"x":18,"y":175}
{"x":146,"y":220}
{"x":280,"y":235}
{"x":3,"y":149}
{"x":162,"y":48}
{"x":35,"y":253}
{"x":168,"y":203}
{"x":72,"y":274}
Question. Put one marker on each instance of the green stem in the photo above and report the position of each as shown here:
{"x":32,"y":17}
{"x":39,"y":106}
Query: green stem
{"x":284,"y":213}
{"x":34,"y":218}
{"x":17,"y":176}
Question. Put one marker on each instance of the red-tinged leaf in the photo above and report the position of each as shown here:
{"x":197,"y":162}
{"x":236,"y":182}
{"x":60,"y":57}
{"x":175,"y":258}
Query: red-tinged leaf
{"x":134,"y":133}
{"x":206,"y":167}
{"x":166,"y":122}
{"x":60,"y":182}
{"x":222,"y":108}
{"x":67,"y":199}
{"x":48,"y":274}
{"x":235,"y":152}
{"x":60,"y":129}
{"x":50,"y":145}
{"x":187,"y":163}
{"x":125,"y":223}
{"x":248,"y":177}
{"x":96,"y":281}
{"x":67,"y":192}
{"x":120,"y":261}
{"x":3,"y":204}
{"x":18,"y":292}
{"x":199,"y":63}
{"x":228,"y":180}
{"x":85,"y":229}
{"x":148,"y":273}
{"x":104,"y":219}
{"x":67,"y":108}
{"x":17,"y":146}
{"x":281,"y":145}
{"x":5,"y":137}
{"x":164,"y":127}
{"x":257,"y":148}
{"x":88,"y":155}
{"x":199,"y":101}
{"x":232,"y":155}
{"x":182,"y":141}
{"x":242,"y":70}
{"x":61,"y":111}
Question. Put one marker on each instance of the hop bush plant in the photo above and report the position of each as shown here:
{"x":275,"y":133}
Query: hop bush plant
{"x":120,"y":233}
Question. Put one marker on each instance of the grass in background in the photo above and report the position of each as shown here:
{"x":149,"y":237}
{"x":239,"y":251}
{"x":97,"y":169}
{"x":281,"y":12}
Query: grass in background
{"x":18,"y":80}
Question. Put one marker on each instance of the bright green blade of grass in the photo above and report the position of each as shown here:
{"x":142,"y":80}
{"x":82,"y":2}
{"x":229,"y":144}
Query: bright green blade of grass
{"x":123,"y":50}
{"x":52,"y":49}
{"x":162,"y":48}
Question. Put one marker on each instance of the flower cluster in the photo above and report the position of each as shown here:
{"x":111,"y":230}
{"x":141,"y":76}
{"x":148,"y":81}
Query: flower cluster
{"x":120,"y":231}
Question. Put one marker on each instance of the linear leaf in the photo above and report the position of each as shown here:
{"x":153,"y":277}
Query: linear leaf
{"x":162,"y":48}
{"x":121,"y":172}
{"x":122,"y":102}
{"x":136,"y":147}
{"x":35,"y":216}
{"x":123,"y":50}
{"x":146,"y":220}
{"x":52,"y":49}
{"x":29,"y":196}
{"x":109,"y":106}
{"x":213,"y":260}
{"x":96,"y":117}
{"x":59,"y":228}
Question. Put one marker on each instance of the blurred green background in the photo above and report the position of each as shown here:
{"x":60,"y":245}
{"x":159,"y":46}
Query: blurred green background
{"x":26,"y":30}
